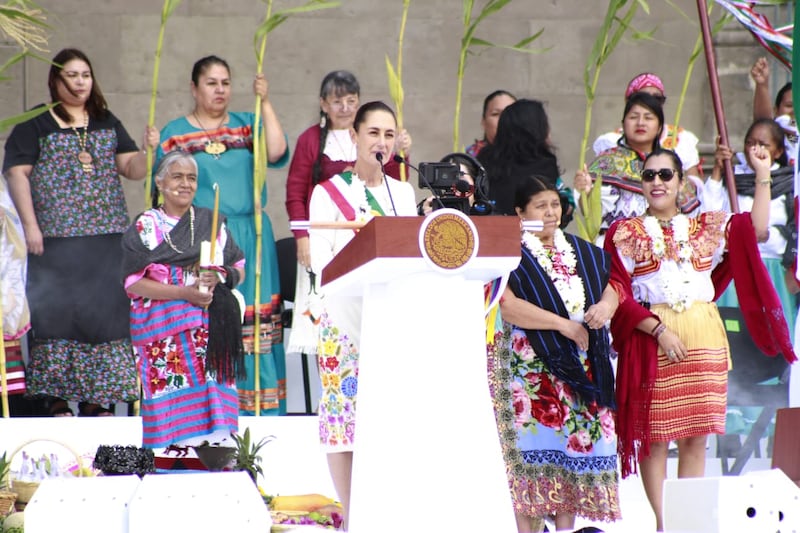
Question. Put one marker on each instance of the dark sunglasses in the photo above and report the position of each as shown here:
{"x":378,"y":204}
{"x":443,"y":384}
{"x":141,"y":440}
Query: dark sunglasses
{"x":665,"y":174}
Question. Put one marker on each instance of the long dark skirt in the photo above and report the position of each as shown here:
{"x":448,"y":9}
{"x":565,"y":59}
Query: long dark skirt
{"x":80,"y":346}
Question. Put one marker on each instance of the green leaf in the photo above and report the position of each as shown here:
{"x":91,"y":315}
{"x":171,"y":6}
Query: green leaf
{"x":643,"y":4}
{"x":395,"y":89}
{"x":169,"y":7}
{"x":13,"y":13}
{"x":644,"y":35}
{"x":480,"y":42}
{"x":22,"y":117}
{"x":16,"y":58}
{"x":527,"y":40}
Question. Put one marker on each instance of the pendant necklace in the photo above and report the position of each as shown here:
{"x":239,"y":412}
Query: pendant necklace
{"x":168,"y":239}
{"x":214,"y":148}
{"x":84,"y":157}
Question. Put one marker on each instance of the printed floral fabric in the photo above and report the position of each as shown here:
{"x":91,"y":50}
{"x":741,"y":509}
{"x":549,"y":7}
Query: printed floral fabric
{"x":560,"y":453}
{"x":338,"y":369}
{"x":96,"y":373}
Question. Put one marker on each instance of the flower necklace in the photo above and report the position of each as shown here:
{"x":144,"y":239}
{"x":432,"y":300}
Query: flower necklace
{"x":678,"y":295}
{"x":563,"y":274}
{"x":168,"y":239}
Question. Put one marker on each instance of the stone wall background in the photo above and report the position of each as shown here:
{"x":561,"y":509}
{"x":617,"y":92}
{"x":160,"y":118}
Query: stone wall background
{"x":119,"y":36}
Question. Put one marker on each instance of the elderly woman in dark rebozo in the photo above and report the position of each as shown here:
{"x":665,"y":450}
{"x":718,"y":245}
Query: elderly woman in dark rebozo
{"x":185,"y":321}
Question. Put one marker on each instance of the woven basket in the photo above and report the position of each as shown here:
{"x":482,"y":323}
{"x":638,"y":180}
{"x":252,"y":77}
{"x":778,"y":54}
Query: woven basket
{"x":7,"y":500}
{"x":25,"y":489}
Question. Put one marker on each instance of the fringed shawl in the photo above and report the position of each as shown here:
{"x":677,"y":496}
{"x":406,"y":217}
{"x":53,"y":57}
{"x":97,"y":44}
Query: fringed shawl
{"x":225,"y":352}
{"x":530,"y":282}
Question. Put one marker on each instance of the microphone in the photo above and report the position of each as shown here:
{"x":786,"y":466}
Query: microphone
{"x":379,"y":157}
{"x":400,"y":160}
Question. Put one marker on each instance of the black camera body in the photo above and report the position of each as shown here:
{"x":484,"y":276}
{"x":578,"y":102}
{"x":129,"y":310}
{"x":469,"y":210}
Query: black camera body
{"x":442,"y":178}
{"x":439,"y":176}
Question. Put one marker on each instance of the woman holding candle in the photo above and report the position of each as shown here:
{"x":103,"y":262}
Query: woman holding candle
{"x":185,"y":322}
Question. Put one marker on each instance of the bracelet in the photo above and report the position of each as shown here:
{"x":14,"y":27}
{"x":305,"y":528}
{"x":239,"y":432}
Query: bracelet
{"x":660,"y":329}
{"x":653,"y":331}
{"x":765,"y":182}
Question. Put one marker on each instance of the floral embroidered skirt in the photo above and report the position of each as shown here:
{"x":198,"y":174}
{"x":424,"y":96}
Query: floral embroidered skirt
{"x":337,"y":357}
{"x":181,"y":400}
{"x":560,"y":454}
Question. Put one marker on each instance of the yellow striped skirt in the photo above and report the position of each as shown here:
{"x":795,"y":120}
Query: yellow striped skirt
{"x":690,"y":396}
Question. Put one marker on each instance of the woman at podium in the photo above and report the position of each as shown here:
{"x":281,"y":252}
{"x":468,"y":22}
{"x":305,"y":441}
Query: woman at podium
{"x":347,"y":197}
{"x":550,"y":372}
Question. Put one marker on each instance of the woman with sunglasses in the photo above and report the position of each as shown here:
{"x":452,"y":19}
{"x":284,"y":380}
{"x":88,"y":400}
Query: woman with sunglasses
{"x":672,"y":345}
{"x":618,"y":168}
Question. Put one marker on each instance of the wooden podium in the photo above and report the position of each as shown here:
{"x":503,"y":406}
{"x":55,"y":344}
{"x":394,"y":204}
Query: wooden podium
{"x":786,"y":452}
{"x":427,"y":455}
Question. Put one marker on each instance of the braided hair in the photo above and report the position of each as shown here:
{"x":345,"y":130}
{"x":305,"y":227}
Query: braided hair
{"x":338,"y":83}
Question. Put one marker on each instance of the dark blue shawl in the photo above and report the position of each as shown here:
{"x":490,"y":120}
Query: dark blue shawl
{"x":530,"y":282}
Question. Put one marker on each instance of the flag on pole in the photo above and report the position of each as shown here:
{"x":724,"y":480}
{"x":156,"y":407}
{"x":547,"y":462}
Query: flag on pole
{"x":777,"y":41}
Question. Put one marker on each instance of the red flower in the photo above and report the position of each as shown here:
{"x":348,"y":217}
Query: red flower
{"x":174,"y":363}
{"x":201,"y":338}
{"x":580,"y":442}
{"x":156,"y":379}
{"x":547,"y":407}
{"x":331,"y":363}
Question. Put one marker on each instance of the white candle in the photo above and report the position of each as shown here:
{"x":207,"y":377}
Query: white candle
{"x":205,"y":259}
{"x":205,"y":253}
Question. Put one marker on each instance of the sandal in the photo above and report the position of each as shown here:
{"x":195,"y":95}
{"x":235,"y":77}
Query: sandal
{"x":93,"y":409}
{"x":60,"y":408}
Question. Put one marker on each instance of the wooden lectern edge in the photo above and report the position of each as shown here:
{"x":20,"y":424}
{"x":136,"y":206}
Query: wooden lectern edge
{"x":398,"y":237}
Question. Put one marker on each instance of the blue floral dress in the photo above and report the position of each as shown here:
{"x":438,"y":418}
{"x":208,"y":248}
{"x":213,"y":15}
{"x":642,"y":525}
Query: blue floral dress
{"x":560,"y":450}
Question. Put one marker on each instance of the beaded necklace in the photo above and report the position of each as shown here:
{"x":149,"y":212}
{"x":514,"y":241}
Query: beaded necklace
{"x":168,"y":239}
{"x":84,"y":157}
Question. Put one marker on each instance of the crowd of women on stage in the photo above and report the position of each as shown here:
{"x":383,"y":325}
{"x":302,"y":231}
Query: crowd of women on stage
{"x":110,"y":301}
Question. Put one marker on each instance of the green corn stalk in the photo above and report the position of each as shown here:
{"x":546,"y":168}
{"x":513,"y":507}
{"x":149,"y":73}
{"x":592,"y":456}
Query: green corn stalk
{"x":23,"y":22}
{"x":615,"y":25}
{"x":260,"y":158}
{"x":166,"y":10}
{"x":396,"y":79}
{"x":468,"y":40}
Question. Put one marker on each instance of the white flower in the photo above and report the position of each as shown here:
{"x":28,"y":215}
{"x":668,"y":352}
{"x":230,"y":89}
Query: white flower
{"x":678,"y":294}
{"x":568,"y":284}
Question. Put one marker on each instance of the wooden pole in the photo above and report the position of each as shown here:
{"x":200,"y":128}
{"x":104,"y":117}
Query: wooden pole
{"x":716,"y":98}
